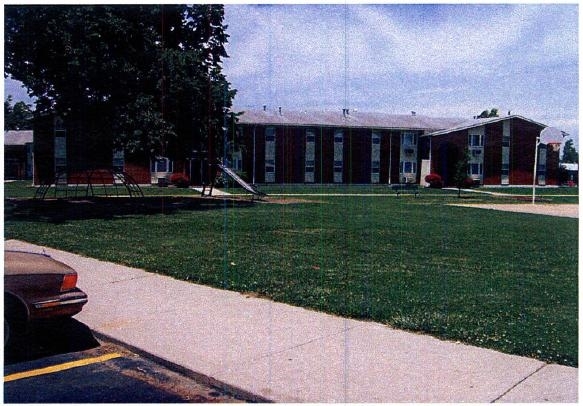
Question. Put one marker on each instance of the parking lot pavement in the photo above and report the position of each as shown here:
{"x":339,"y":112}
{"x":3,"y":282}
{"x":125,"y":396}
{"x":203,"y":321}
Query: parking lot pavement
{"x":105,"y":374}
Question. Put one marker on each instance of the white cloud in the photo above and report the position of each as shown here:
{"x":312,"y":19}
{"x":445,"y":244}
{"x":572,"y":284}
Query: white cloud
{"x":453,"y":60}
{"x":465,"y":41}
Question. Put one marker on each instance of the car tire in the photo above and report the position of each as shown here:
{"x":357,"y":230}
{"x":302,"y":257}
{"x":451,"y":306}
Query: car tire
{"x":14,"y":320}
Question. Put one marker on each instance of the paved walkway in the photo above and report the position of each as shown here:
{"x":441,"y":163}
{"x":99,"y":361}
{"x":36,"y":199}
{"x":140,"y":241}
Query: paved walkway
{"x":288,"y":354}
{"x":558,"y":210}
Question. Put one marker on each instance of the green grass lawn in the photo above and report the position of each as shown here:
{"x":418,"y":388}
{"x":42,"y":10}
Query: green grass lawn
{"x":506,"y":281}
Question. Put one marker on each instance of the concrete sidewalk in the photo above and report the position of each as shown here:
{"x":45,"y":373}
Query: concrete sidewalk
{"x":288,"y":354}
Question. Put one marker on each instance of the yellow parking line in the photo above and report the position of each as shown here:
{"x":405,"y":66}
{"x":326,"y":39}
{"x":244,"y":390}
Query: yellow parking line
{"x":60,"y":367}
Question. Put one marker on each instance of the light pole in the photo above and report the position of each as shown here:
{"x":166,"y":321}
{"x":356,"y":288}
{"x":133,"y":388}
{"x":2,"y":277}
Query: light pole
{"x":548,"y":136}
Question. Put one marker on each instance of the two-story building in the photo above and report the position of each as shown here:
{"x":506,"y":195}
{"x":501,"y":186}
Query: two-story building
{"x":330,"y":147}
{"x":375,"y":148}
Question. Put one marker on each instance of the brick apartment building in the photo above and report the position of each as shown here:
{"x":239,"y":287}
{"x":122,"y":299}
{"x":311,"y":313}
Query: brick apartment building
{"x":368,"y":148}
{"x":345,"y":147}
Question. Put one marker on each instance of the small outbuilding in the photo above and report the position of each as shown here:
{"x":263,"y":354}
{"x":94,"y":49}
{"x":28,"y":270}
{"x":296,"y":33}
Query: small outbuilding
{"x":18,"y":154}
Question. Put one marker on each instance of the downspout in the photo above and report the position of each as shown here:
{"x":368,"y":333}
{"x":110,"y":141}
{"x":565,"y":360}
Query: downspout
{"x":430,"y":156}
{"x":390,"y":155}
{"x":254,"y":129}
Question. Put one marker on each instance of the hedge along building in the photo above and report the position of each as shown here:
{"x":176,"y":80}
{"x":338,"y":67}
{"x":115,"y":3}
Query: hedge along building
{"x":368,"y":148}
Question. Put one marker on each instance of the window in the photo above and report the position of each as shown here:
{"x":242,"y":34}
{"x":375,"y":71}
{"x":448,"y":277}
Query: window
{"x":506,"y":133}
{"x":475,"y":169}
{"x":310,"y":156}
{"x":161,"y":165}
{"x":408,"y":139}
{"x":476,"y":140}
{"x":270,"y":154}
{"x":408,"y":167}
{"x":375,"y":158}
{"x":338,"y":156}
{"x":118,"y":160}
{"x":60,"y":150}
{"x":542,"y":161}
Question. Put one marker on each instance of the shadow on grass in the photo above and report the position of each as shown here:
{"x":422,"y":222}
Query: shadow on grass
{"x":108,"y":208}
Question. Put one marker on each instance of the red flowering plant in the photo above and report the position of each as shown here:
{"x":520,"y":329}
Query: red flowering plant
{"x":179,"y":180}
{"x":434,"y":181}
{"x":470,"y":183}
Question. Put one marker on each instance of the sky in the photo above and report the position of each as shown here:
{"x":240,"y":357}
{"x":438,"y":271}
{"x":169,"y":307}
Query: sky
{"x":434,"y":59}
{"x":450,"y":60}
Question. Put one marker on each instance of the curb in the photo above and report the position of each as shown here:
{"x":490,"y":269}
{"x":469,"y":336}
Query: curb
{"x":179,"y":369}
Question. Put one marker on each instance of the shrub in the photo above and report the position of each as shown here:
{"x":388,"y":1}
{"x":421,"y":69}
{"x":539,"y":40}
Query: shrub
{"x":179,"y":180}
{"x":434,"y":180}
{"x":469,"y":183}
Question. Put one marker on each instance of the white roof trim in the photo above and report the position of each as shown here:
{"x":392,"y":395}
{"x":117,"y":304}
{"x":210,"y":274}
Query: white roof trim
{"x":482,"y":121}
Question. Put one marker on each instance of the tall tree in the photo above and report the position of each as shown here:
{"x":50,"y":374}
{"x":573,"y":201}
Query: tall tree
{"x":17,"y":116}
{"x":145,"y":78}
{"x":570,"y":154}
{"x":460,"y":176}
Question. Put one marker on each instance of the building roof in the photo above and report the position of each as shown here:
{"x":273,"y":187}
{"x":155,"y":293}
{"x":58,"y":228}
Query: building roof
{"x":472,"y":123}
{"x":18,"y":137}
{"x":352,"y":119}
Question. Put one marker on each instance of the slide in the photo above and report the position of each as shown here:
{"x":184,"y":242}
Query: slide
{"x":248,"y":187}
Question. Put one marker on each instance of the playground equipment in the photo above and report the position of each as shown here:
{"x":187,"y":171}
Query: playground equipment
{"x":89,"y":183}
{"x":208,"y":189}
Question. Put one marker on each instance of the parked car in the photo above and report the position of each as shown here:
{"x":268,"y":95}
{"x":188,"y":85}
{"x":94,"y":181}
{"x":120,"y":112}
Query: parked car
{"x":37,"y":287}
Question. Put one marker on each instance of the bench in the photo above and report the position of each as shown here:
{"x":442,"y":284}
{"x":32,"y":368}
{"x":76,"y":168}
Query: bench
{"x":406,"y":188}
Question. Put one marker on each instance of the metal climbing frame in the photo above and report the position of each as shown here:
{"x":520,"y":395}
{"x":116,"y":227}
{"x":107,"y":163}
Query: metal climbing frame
{"x":90,"y":183}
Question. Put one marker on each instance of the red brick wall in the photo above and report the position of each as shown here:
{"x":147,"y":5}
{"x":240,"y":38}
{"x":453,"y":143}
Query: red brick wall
{"x":140,"y":172}
{"x":446,"y":150}
{"x":522,"y":143}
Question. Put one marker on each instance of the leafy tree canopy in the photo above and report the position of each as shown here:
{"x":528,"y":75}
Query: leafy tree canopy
{"x":146,"y":77}
{"x":570,"y":154}
{"x":488,"y":113}
{"x":17,"y":116}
